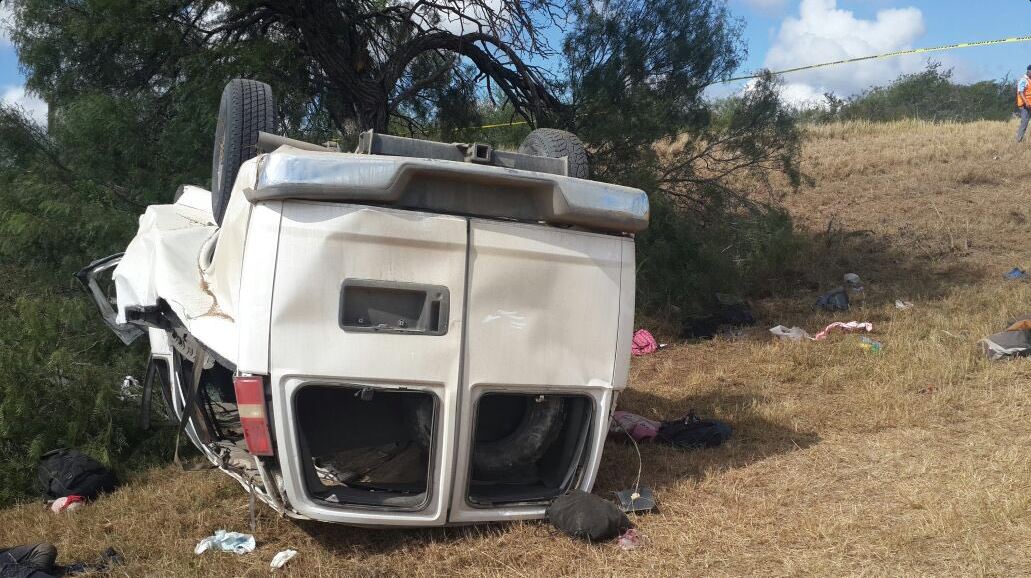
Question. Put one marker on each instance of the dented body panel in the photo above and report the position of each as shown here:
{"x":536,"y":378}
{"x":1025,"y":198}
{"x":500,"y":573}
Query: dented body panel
{"x":324,"y":288}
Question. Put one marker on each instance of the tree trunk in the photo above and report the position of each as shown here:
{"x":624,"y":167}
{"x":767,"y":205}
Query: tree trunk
{"x":373,"y":115}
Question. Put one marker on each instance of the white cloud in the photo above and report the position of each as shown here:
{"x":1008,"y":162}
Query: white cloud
{"x":821,"y":32}
{"x":33,"y":106}
{"x":461,"y":17}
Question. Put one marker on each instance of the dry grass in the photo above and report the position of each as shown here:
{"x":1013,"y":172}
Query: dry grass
{"x":915,"y":461}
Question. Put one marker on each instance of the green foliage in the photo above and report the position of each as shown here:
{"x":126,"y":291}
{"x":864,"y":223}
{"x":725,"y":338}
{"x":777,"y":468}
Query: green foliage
{"x":684,"y":262}
{"x":637,"y":72}
{"x":60,"y":370}
{"x":927,"y":95}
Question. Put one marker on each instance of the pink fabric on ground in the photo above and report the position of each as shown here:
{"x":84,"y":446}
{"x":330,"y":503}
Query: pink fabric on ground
{"x":644,"y":343}
{"x":67,"y":503}
{"x":640,"y":428}
{"x":847,"y":327}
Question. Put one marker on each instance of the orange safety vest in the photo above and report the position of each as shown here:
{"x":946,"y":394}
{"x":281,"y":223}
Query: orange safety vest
{"x":1024,"y":92}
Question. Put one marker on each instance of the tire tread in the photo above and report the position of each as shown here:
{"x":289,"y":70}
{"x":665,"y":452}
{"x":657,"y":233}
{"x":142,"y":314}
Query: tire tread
{"x":246,"y":109}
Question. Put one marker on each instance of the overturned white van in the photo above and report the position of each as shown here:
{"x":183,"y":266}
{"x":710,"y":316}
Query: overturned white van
{"x":413,"y":334}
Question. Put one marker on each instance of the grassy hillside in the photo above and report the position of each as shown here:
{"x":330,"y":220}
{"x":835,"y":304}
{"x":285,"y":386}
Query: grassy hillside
{"x":913,"y":461}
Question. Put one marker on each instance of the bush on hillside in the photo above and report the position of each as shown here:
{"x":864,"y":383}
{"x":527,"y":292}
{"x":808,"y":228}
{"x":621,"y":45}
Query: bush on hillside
{"x":929,"y":95}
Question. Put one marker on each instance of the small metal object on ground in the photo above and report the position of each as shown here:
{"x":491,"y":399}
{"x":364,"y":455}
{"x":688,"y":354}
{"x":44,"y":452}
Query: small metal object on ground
{"x":640,"y":501}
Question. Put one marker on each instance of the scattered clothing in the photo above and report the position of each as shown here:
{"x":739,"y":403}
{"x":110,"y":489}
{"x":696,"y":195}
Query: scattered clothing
{"x":28,"y":561}
{"x":226,"y":542}
{"x":847,"y":327}
{"x":108,"y":559}
{"x":640,"y":428}
{"x":791,"y":334}
{"x":630,"y":540}
{"x":691,"y":432}
{"x":67,"y":504}
{"x":586,"y":516}
{"x":38,"y":561}
{"x":903,"y":305}
{"x":281,"y":558}
{"x":834,"y":300}
{"x":644,"y":343}
{"x":1016,"y":274}
{"x":66,"y":472}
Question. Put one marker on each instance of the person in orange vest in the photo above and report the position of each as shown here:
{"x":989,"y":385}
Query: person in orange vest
{"x":1024,"y":102}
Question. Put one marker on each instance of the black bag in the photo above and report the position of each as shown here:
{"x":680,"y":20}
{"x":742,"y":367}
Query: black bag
{"x":692,"y":432}
{"x":587,"y":516}
{"x":67,"y":472}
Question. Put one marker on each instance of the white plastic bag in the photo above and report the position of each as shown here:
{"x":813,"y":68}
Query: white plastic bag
{"x":226,"y":542}
{"x":280,"y":559}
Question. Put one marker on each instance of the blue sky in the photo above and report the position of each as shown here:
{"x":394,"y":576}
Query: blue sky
{"x":787,"y":33}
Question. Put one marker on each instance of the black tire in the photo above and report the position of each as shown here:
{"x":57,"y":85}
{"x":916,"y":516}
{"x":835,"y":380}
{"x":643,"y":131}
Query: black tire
{"x":246,"y":109}
{"x":555,"y":143}
{"x":526,"y":444}
{"x":521,"y":447}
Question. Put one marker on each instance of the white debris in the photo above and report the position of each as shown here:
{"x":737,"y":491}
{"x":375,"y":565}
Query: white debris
{"x":280,"y":559}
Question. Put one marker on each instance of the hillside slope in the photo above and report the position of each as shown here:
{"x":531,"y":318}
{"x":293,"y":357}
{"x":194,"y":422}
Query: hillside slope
{"x":916,"y":460}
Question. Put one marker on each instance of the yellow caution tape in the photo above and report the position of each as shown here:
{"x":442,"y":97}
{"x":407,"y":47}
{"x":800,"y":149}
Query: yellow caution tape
{"x":891,"y":55}
{"x":502,"y":125}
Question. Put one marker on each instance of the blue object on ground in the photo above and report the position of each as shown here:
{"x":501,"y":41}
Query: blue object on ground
{"x":1017,"y":274}
{"x":834,"y":300}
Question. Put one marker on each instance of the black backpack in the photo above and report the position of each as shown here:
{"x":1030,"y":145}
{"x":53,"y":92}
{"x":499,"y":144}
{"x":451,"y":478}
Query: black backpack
{"x":67,"y":472}
{"x":587,"y":516}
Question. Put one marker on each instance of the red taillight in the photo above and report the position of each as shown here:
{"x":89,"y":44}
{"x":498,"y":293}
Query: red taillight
{"x":250,"y":402}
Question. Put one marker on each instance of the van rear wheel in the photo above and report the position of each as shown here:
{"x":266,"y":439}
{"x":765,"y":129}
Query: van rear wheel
{"x":555,"y":143}
{"x":246,"y":109}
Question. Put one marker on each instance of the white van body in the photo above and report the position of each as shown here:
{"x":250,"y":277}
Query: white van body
{"x":314,"y":248}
